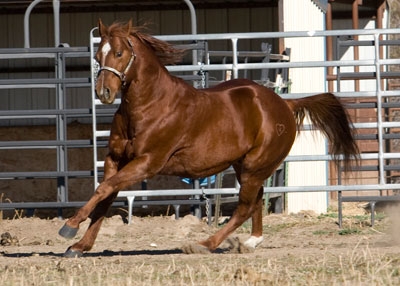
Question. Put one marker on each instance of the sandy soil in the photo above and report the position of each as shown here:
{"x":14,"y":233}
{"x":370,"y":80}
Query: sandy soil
{"x":34,"y":241}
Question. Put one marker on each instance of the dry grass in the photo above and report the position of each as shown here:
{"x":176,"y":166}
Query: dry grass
{"x":360,"y":266}
{"x":327,"y":264}
{"x":298,"y":250}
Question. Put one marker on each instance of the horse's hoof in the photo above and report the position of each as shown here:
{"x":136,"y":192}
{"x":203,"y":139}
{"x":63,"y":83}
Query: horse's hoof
{"x":195,"y":248}
{"x":70,"y":253}
{"x":68,"y":232}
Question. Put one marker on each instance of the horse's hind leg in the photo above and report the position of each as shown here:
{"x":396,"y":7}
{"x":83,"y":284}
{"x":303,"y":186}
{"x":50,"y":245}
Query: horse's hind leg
{"x":256,"y":223}
{"x":249,"y":198}
{"x":256,"y":220}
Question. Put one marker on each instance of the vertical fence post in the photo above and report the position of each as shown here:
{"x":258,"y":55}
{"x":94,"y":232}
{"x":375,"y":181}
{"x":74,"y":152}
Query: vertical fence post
{"x":234,"y":58}
{"x":379,"y":111}
{"x":61,"y":125}
{"x":94,"y":119}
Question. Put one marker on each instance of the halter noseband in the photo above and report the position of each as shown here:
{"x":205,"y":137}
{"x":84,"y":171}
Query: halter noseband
{"x":121,"y":75}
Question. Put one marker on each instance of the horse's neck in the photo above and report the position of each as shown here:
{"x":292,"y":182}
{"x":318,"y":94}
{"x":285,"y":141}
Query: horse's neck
{"x":157,"y":87}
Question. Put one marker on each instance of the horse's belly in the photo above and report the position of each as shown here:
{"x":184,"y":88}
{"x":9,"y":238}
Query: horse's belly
{"x":196,"y":165}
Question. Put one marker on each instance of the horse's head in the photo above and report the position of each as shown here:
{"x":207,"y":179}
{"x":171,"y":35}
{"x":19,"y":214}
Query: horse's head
{"x":126,"y":54}
{"x":115,"y":56}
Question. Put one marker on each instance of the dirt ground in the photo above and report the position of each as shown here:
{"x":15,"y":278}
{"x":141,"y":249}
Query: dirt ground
{"x":147,"y":251}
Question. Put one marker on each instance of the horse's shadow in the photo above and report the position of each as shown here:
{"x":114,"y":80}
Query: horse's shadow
{"x":105,"y":253}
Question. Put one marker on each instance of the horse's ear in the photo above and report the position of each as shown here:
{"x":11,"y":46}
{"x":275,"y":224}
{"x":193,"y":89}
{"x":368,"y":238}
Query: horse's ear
{"x":102,"y":28}
{"x":129,"y":26}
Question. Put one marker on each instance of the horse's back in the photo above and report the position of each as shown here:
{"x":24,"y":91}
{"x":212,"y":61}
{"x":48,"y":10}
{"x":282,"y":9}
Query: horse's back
{"x":233,"y":83}
{"x":249,"y":95}
{"x":248,"y":88}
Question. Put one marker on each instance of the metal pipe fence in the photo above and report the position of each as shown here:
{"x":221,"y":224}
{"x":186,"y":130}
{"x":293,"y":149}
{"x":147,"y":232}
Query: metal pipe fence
{"x":55,"y":83}
{"x":383,"y":130}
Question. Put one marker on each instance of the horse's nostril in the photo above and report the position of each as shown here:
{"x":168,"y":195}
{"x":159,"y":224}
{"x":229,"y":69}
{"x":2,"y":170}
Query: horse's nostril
{"x":107,"y":93}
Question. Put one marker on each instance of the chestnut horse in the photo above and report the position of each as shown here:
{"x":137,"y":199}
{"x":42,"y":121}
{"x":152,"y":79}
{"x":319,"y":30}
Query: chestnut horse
{"x":165,"y":126}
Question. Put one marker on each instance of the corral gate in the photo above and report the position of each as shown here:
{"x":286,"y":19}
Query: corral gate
{"x":383,"y":162}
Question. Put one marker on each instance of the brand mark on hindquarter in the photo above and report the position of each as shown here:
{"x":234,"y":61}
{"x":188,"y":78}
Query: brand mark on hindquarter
{"x":280,"y":128}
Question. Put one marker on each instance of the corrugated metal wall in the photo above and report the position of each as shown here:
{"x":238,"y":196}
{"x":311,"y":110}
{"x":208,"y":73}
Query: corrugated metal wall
{"x":75,"y":27}
{"x":303,"y":15}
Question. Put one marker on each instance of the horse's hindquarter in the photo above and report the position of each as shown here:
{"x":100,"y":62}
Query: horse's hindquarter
{"x":276,"y":134}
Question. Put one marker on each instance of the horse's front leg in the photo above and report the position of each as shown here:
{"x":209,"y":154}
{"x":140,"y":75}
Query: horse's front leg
{"x":87,"y":241}
{"x":135,"y":171}
{"x":70,"y":229}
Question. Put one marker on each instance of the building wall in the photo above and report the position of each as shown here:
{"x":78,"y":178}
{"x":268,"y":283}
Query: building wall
{"x":304,"y":15}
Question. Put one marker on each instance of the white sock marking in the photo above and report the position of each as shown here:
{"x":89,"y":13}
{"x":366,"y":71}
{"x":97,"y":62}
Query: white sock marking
{"x":253,"y":241}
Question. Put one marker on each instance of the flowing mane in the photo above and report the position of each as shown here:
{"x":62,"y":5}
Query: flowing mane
{"x":166,"y":53}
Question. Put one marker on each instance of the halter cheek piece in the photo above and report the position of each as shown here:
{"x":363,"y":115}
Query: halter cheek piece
{"x":121,"y":75}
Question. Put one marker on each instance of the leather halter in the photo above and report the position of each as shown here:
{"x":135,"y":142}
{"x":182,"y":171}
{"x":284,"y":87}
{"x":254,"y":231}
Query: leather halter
{"x":121,"y":75}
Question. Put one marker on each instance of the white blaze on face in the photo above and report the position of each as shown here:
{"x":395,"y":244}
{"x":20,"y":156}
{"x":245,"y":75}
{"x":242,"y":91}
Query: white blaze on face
{"x":105,"y":50}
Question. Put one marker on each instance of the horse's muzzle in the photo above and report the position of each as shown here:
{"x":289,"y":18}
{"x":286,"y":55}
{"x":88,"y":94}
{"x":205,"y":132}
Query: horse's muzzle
{"x":105,"y":95}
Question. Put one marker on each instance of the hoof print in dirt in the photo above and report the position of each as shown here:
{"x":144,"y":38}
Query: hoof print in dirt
{"x":8,"y":240}
{"x":195,"y":248}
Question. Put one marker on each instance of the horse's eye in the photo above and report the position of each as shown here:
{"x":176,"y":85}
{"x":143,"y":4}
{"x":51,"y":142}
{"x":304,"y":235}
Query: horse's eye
{"x":118,"y":54}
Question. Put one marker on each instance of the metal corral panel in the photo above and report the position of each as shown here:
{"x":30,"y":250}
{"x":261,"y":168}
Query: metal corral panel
{"x":364,"y":53}
{"x":304,"y":15}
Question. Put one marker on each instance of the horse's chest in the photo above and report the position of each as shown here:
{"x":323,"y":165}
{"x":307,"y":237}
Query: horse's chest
{"x":122,"y":148}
